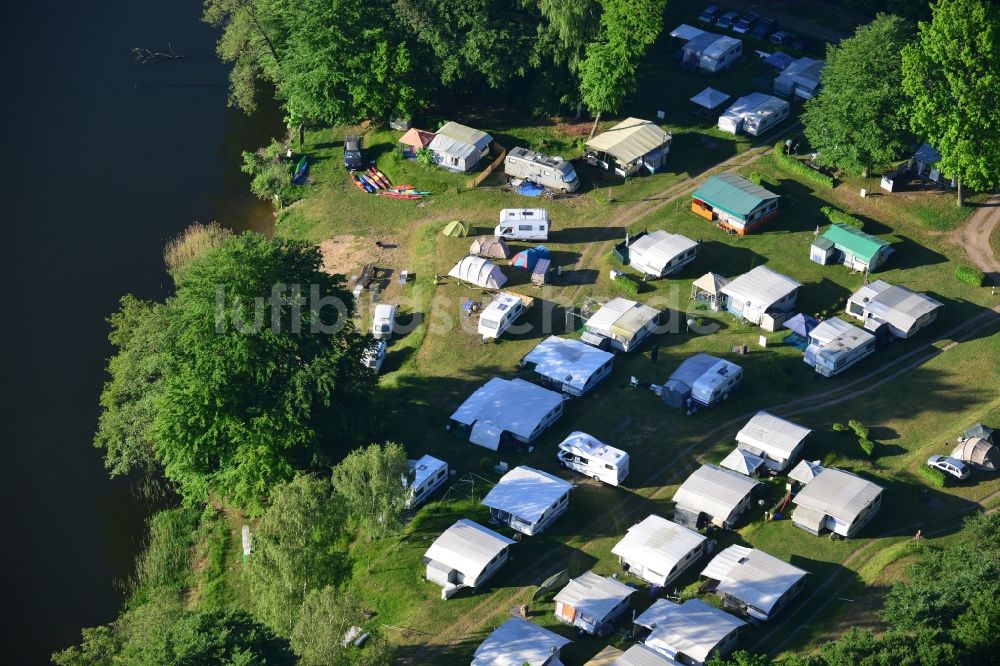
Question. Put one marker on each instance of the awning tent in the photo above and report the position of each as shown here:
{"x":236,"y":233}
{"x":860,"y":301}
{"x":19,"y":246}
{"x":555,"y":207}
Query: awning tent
{"x":525,"y":259}
{"x":685,"y":32}
{"x":742,"y":461}
{"x":479,"y":271}
{"x":801,"y":324}
{"x":416,"y":138}
{"x":490,"y":246}
{"x":710,"y":98}
{"x":630,"y":140}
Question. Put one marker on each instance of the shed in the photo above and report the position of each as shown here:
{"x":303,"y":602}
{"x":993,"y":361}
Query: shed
{"x":690,"y":632}
{"x":490,"y":246}
{"x":835,"y":345}
{"x":736,"y":203}
{"x":414,"y":139}
{"x":752,"y":582}
{"x":710,"y":52}
{"x":754,"y":114}
{"x":713,"y":495}
{"x":518,"y":642}
{"x":525,"y":259}
{"x":570,"y":366}
{"x":710,"y":99}
{"x":979,"y":453}
{"x":842,"y":244}
{"x":479,"y":271}
{"x":528,"y":500}
{"x":518,"y":408}
{"x":620,"y":324}
{"x":708,"y":289}
{"x":701,"y":379}
{"x":592,"y":603}
{"x":905,"y":311}
{"x":658,"y":550}
{"x":743,"y":462}
{"x":661,"y":253}
{"x":459,"y":148}
{"x":758,"y":293}
{"x":429,"y":474}
{"x":801,"y":78}
{"x":838,"y":501}
{"x":629,"y":146}
{"x":777,"y":441}
{"x":465,"y":555}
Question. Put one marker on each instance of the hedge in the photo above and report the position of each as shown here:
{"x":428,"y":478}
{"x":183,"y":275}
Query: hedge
{"x":867,"y":445}
{"x":969,"y":275}
{"x":628,"y":284}
{"x":859,"y":428}
{"x":840,"y":217}
{"x":790,"y":163}
{"x":935,"y":477}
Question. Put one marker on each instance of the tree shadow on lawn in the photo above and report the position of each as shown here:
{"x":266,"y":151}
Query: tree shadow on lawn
{"x":456,"y":652}
{"x":910,"y":254}
{"x":574,"y":235}
{"x":823,"y":296}
{"x":724,"y":259}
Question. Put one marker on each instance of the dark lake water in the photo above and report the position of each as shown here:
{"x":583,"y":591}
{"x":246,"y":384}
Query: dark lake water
{"x":103,"y":161}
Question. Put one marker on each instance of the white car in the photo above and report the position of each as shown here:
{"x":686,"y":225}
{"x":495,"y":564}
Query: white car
{"x":951,"y":466}
{"x":374,"y":356}
{"x":384,"y":321}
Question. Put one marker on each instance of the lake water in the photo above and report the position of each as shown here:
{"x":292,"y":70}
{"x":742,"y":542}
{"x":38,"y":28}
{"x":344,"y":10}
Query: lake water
{"x":105,"y":160}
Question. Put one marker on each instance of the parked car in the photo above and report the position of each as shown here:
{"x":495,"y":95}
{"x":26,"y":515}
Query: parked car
{"x":727,"y":20}
{"x":708,"y":16}
{"x":950,"y":466}
{"x":384,"y":321}
{"x":745,"y":23}
{"x":764,"y":28}
{"x":782,"y":37}
{"x":353,"y":153}
{"x":374,"y":356}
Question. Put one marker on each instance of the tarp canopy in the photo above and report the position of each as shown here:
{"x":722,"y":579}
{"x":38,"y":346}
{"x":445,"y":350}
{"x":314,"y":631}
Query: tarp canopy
{"x":710,"y":98}
{"x":752,"y":576}
{"x":514,"y":405}
{"x":593,"y":597}
{"x":657,"y":249}
{"x":455,"y":229}
{"x":417,"y":138}
{"x":658,"y":544}
{"x":711,"y":283}
{"x":839,"y":494}
{"x":527,"y":493}
{"x":568,"y":361}
{"x":479,"y":271}
{"x":525,"y":259}
{"x":760,"y":287}
{"x":630,"y":140}
{"x":927,"y":154}
{"x":490,"y":246}
{"x":801,"y":324}
{"x":694,"y":628}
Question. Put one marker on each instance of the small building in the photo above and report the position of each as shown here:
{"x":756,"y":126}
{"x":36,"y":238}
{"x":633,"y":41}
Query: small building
{"x":658,"y":550}
{"x":660,"y":253}
{"x":690,"y":632}
{"x":593,"y":603}
{"x":800,"y":79}
{"x":777,"y":441}
{"x":924,"y":164}
{"x":479,"y":271}
{"x":838,"y":501}
{"x":491,"y":247}
{"x":630,"y":146}
{"x":737,"y":204}
{"x":569,"y":366}
{"x":414,"y":140}
{"x":503,"y":408}
{"x":835,"y":345}
{"x":979,"y":453}
{"x":518,"y":642}
{"x":429,"y":474}
{"x":459,"y":148}
{"x":841,"y":244}
{"x":708,"y":289}
{"x":712,"y":495}
{"x":709,"y":100}
{"x":762,"y":297}
{"x":591,"y":457}
{"x":710,"y":52}
{"x":754,"y":114}
{"x":465,"y":555}
{"x":528,"y":500}
{"x":752,"y":582}
{"x":701,"y":380}
{"x":620,"y":324}
{"x":904,"y":311}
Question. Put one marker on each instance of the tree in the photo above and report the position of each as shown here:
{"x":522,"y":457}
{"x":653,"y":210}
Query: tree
{"x":318,"y":634}
{"x":297,"y":547}
{"x":370,"y":481}
{"x":257,"y":382}
{"x":858,"y":120}
{"x":228,"y":637}
{"x":568,"y":27}
{"x":978,"y":628}
{"x":608,"y":73}
{"x":951,"y":74}
{"x":99,"y":647}
{"x":860,"y":648}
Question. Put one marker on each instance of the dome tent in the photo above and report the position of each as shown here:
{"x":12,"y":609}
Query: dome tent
{"x":525,"y":259}
{"x":456,"y":229}
{"x":479,"y":271}
{"x":979,"y":453}
{"x":490,"y":246}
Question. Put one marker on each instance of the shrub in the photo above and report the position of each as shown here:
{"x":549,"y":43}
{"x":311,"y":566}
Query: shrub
{"x":755,"y":178}
{"x":840,"y":217}
{"x":271,"y":176}
{"x":867,"y":445}
{"x":425,"y":157}
{"x":935,"y":477}
{"x":628,"y":284}
{"x":839,"y":427}
{"x":969,"y":275}
{"x":859,"y":429}
{"x":790,"y":163}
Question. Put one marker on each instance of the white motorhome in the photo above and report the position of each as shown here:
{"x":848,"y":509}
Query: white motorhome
{"x":591,"y":457}
{"x":498,"y":316}
{"x":384,"y":321}
{"x":523,"y":224}
{"x":554,"y":173}
{"x":429,"y":474}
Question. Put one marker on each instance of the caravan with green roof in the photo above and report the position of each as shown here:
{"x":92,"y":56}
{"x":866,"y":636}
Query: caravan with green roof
{"x":735,"y":203}
{"x":841,"y":244}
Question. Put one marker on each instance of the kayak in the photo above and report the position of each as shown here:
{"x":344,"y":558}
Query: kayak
{"x":300,"y":170}
{"x":399,"y":191}
{"x":379,"y":180}
{"x":369,"y":182}
{"x":388,"y":183}
{"x":400,"y":195}
{"x":357,"y":182}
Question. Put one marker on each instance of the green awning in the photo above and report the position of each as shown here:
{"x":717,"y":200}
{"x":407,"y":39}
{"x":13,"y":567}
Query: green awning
{"x":854,"y":241}
{"x":733,"y":194}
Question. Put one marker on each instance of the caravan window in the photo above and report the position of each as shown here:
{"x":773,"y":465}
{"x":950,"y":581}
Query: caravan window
{"x":525,"y":227}
{"x":607,"y":466}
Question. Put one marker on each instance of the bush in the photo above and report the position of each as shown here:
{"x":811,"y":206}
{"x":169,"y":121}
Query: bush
{"x":969,"y":275}
{"x":755,"y":178}
{"x":867,"y":445}
{"x":840,"y":217}
{"x":628,"y":284}
{"x":425,"y":157}
{"x":935,"y":477}
{"x":839,"y":427}
{"x":790,"y":163}
{"x":859,"y":429}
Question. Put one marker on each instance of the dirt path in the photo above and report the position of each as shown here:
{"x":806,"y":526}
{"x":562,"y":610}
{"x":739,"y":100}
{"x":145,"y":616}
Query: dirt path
{"x":974,"y":236}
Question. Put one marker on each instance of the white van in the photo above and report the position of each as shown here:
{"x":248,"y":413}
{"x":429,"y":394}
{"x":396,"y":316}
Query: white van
{"x":501,"y":313}
{"x":384,"y":321}
{"x":591,"y":457}
{"x":373,"y":357}
{"x":554,"y":173}
{"x":523,"y":224}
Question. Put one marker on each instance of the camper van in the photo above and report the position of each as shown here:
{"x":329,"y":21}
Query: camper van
{"x":384,"y":321}
{"x":501,"y":313}
{"x":523,"y":224}
{"x":591,"y":457}
{"x":554,"y":173}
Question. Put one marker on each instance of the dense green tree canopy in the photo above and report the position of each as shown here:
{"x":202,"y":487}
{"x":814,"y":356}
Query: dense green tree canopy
{"x":859,"y":119}
{"x":952,"y":74}
{"x":325,"y":617}
{"x":370,"y":482}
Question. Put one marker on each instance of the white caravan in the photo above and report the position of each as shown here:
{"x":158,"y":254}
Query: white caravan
{"x":498,"y":316}
{"x":591,"y":457}
{"x":523,"y":224}
{"x":554,"y":173}
{"x":384,"y":321}
{"x":429,"y":474}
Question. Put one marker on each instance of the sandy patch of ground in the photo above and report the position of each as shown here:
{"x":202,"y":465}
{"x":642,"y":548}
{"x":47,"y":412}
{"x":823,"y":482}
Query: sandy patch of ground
{"x":347,"y":254}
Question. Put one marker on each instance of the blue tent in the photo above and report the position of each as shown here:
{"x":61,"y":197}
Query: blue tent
{"x":801,"y":324}
{"x":525,"y":259}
